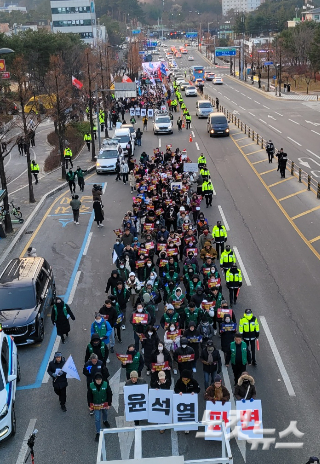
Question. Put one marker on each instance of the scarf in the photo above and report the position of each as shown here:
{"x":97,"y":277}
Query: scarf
{"x":185,"y":381}
{"x":218,"y":393}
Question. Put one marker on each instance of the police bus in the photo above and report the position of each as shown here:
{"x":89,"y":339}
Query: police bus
{"x":196,"y":72}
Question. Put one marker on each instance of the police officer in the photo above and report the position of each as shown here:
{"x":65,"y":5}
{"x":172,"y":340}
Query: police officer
{"x":249,"y":328}
{"x":207,"y":190}
{"x":270,"y":150}
{"x":201,"y":161}
{"x":227,"y":258}
{"x":204,"y":171}
{"x":283,"y":164}
{"x":188,"y":120}
{"x":234,"y":282}
{"x":59,"y":377}
{"x":68,"y":156}
{"x":87,"y":138}
{"x":101,"y":120}
{"x":35,"y":170}
{"x":219,"y":234}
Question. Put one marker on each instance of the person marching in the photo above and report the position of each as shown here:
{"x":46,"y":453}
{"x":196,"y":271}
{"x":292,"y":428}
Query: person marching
{"x":239,"y":357}
{"x":100,"y":399}
{"x":207,"y":190}
{"x":270,"y":150}
{"x":70,"y":177}
{"x":227,"y":258}
{"x":202,"y":161}
{"x":249,"y":329}
{"x":80,"y":176}
{"x":234,"y":282}
{"x":59,"y":377}
{"x":60,"y":315}
{"x":219,"y":234}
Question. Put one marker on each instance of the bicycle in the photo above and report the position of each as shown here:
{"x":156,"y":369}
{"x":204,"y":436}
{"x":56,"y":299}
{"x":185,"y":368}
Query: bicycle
{"x":15,"y":211}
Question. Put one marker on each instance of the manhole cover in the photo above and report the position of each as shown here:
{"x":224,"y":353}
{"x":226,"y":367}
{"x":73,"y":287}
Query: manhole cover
{"x":29,"y":232}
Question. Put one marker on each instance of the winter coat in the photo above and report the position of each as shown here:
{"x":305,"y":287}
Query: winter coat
{"x":59,"y":318}
{"x":160,"y":386}
{"x":183,"y":351}
{"x":210,"y":394}
{"x":98,"y":213}
{"x":122,"y":297}
{"x":90,"y":370}
{"x":118,"y":249}
{"x":209,"y":251}
{"x":149,"y":344}
{"x":112,"y":281}
{"x":216,"y":361}
{"x":101,"y":349}
{"x":202,"y":240}
{"x":124,"y":168}
{"x":109,"y":314}
{"x":75,"y":204}
{"x":140,"y":328}
{"x":167,"y":358}
{"x":97,"y":327}
{"x":127,"y":239}
{"x":195,"y":346}
{"x":191,"y":387}
{"x":132,"y":180}
{"x":245,"y":391}
{"x":96,"y":194}
{"x":59,"y":381}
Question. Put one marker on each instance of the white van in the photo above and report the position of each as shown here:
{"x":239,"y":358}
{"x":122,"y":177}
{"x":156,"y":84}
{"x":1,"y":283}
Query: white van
{"x":124,"y":136}
{"x":203,"y":108}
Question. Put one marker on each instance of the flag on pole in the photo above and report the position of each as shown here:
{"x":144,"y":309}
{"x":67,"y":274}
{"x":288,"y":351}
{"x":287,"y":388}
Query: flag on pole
{"x":70,"y":369}
{"x":126,"y":78}
{"x":114,"y":256}
{"x":77,"y":83}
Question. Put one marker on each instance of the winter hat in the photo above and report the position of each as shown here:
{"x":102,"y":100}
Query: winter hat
{"x":192,"y":324}
{"x":98,"y":375}
{"x":161,"y":375}
{"x":132,"y":274}
{"x":58,"y":354}
{"x":186,"y":374}
{"x":184,"y":341}
{"x":217,"y":378}
{"x":134,"y":374}
{"x":169,"y":306}
{"x":146,"y":298}
{"x":248,"y":311}
{"x":149,"y":283}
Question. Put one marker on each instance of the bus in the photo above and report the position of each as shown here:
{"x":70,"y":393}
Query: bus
{"x":196,"y":72}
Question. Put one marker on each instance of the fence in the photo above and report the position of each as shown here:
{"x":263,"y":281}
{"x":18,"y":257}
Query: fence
{"x":302,"y":176}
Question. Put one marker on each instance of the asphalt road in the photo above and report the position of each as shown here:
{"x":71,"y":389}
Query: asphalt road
{"x":280,"y":285}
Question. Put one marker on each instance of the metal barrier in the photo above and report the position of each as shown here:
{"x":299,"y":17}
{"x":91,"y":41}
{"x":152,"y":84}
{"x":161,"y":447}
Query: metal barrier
{"x":226,"y":455}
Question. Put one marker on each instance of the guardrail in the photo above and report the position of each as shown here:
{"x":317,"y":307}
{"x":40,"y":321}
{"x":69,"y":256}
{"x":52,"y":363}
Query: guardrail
{"x":303,"y":177}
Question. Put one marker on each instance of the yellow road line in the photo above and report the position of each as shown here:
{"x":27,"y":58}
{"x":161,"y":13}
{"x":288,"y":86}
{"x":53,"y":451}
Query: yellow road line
{"x":252,"y":143}
{"x":42,"y":221}
{"x":257,"y":151}
{"x":280,"y":181}
{"x":314,"y":239}
{"x":242,"y":137}
{"x":305,"y":212}
{"x":284,"y":212}
{"x":293,"y":194}
{"x":266,"y":172}
{"x":261,"y":161}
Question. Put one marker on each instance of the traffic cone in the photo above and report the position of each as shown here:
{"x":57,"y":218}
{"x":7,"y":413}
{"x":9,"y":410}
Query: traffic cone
{"x":190,"y":138}
{"x":182,"y":124}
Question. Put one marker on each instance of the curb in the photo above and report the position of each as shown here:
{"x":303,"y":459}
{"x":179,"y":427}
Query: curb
{"x":31,"y":217}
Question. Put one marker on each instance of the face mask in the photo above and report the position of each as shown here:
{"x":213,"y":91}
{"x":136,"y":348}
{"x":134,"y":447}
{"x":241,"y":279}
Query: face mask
{"x":139,"y":310}
{"x":211,"y":312}
{"x":184,"y":346}
{"x":160,"y":348}
{"x":172,"y":329}
{"x":210,"y":349}
{"x":117,"y":242}
{"x":149,"y":265}
{"x":150,"y":333}
{"x":98,"y":321}
{"x":121,"y":266}
{"x":227,"y":320}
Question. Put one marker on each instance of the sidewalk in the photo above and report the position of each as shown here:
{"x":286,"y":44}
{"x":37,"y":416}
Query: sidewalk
{"x":49,"y":184}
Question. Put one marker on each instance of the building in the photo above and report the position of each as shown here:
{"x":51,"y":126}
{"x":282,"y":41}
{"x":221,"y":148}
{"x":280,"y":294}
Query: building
{"x":8,"y":8}
{"x":244,"y":6}
{"x":311,"y":15}
{"x":76,"y":16}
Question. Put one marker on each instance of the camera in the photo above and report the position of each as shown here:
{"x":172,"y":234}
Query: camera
{"x":97,"y":187}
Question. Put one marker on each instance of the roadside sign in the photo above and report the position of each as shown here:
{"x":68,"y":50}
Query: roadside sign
{"x":226,"y":51}
{"x":191,"y":35}
{"x":2,"y":65}
{"x":5,"y":75}
{"x":268,"y":63}
{"x":136,"y":31}
{"x":274,"y":77}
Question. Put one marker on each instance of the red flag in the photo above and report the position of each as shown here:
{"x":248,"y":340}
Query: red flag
{"x":126,"y":79}
{"x":77,"y":83}
{"x":159,"y":74}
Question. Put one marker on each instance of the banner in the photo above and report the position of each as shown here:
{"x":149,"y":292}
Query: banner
{"x":185,"y":409}
{"x":124,"y":358}
{"x":157,"y":367}
{"x":228,"y":327}
{"x":217,"y":412}
{"x":249,"y":415}
{"x":176,"y":185}
{"x":190,"y":167}
{"x":160,"y":406}
{"x":185,"y":358}
{"x":78,"y":84}
{"x":136,"y":402}
{"x":138,"y":318}
{"x":152,"y":68}
{"x":137,"y":111}
{"x":172,"y":251}
{"x":194,"y":339}
{"x":70,"y":369}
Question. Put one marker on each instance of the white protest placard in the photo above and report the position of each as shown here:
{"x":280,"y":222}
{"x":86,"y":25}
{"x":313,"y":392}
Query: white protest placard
{"x":249,"y":415}
{"x":150,"y":113}
{"x":163,"y":108}
{"x":137,"y":111}
{"x":143,"y":112}
{"x":160,"y":406}
{"x":132,"y":111}
{"x":136,"y":402}
{"x":216,"y":412}
{"x":176,"y":185}
{"x":185,"y":409}
{"x":190,"y":167}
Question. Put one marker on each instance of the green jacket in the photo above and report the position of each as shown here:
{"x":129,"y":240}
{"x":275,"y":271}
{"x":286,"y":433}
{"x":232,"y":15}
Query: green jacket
{"x":100,"y":396}
{"x":70,"y":176}
{"x":243,"y":351}
{"x":102,"y":349}
{"x":134,"y":366}
{"x":192,"y":316}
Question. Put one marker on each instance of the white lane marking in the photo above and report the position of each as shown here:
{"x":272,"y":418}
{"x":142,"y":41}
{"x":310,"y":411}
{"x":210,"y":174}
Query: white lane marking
{"x":197,"y":145}
{"x":276,"y":354}
{"x":234,"y":102}
{"x":242,"y":108}
{"x":295,"y":122}
{"x":243,"y":94}
{"x":24,"y":447}
{"x":274,"y":129}
{"x":315,"y":132}
{"x":257,"y":102}
{"x":226,"y":97}
{"x":125,"y":438}
{"x":264,"y":122}
{"x":174,"y":443}
{"x":54,"y":349}
{"x":115,"y":387}
{"x":237,"y":90}
{"x":241,"y":443}
{"x":8,"y":160}
{"x":213,"y":191}
{"x":23,"y":172}
{"x":192,"y":134}
{"x":279,"y":113}
{"x":311,"y":152}
{"x":252,"y":114}
{"x":85,"y":251}
{"x":249,"y":97}
{"x":104,"y":187}
{"x":159,"y":147}
{"x":266,"y":107}
{"x":243,"y":269}
{"x":223,"y":218}
{"x":295,"y":141}
{"x":74,"y":287}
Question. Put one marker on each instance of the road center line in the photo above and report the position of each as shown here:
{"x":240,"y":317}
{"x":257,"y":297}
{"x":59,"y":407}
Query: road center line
{"x":264,"y":122}
{"x":295,"y":122}
{"x":257,"y":102}
{"x":249,"y":97}
{"x":277,"y":357}
{"x":24,"y":447}
{"x":85,"y":251}
{"x":223,"y":218}
{"x":274,"y":129}
{"x":227,"y":98}
{"x":74,"y":287}
{"x":295,"y":141}
{"x":252,"y":114}
{"x":243,"y":269}
{"x":279,"y":113}
{"x":159,"y":143}
{"x":315,"y":132}
{"x":266,"y":107}
{"x":242,"y":108}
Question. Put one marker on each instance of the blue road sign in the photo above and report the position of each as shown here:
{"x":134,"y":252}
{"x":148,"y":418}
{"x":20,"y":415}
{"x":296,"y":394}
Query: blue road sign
{"x":274,"y":77}
{"x":226,"y":52}
{"x":136,"y":31}
{"x":190,"y":35}
{"x":268,"y":63}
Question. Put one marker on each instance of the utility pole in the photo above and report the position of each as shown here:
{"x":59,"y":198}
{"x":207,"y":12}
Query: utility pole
{"x":93,"y":152}
{"x":7,"y":218}
{"x":268,"y":86}
{"x":280,"y":73}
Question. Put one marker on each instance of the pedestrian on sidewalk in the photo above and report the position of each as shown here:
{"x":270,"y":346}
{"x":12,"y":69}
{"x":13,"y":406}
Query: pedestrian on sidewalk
{"x":98,"y":212}
{"x":118,"y":166}
{"x":124,"y":169}
{"x":270,"y":150}
{"x":68,"y":156}
{"x":87,"y":138}
{"x":70,"y":178}
{"x":283,"y":163}
{"x":35,"y":170}
{"x":79,"y":173}
{"x":60,"y":316}
{"x":75,"y":204}
{"x":100,"y":399}
{"x":59,"y":377}
{"x":31,"y":135}
{"x":20,"y":145}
